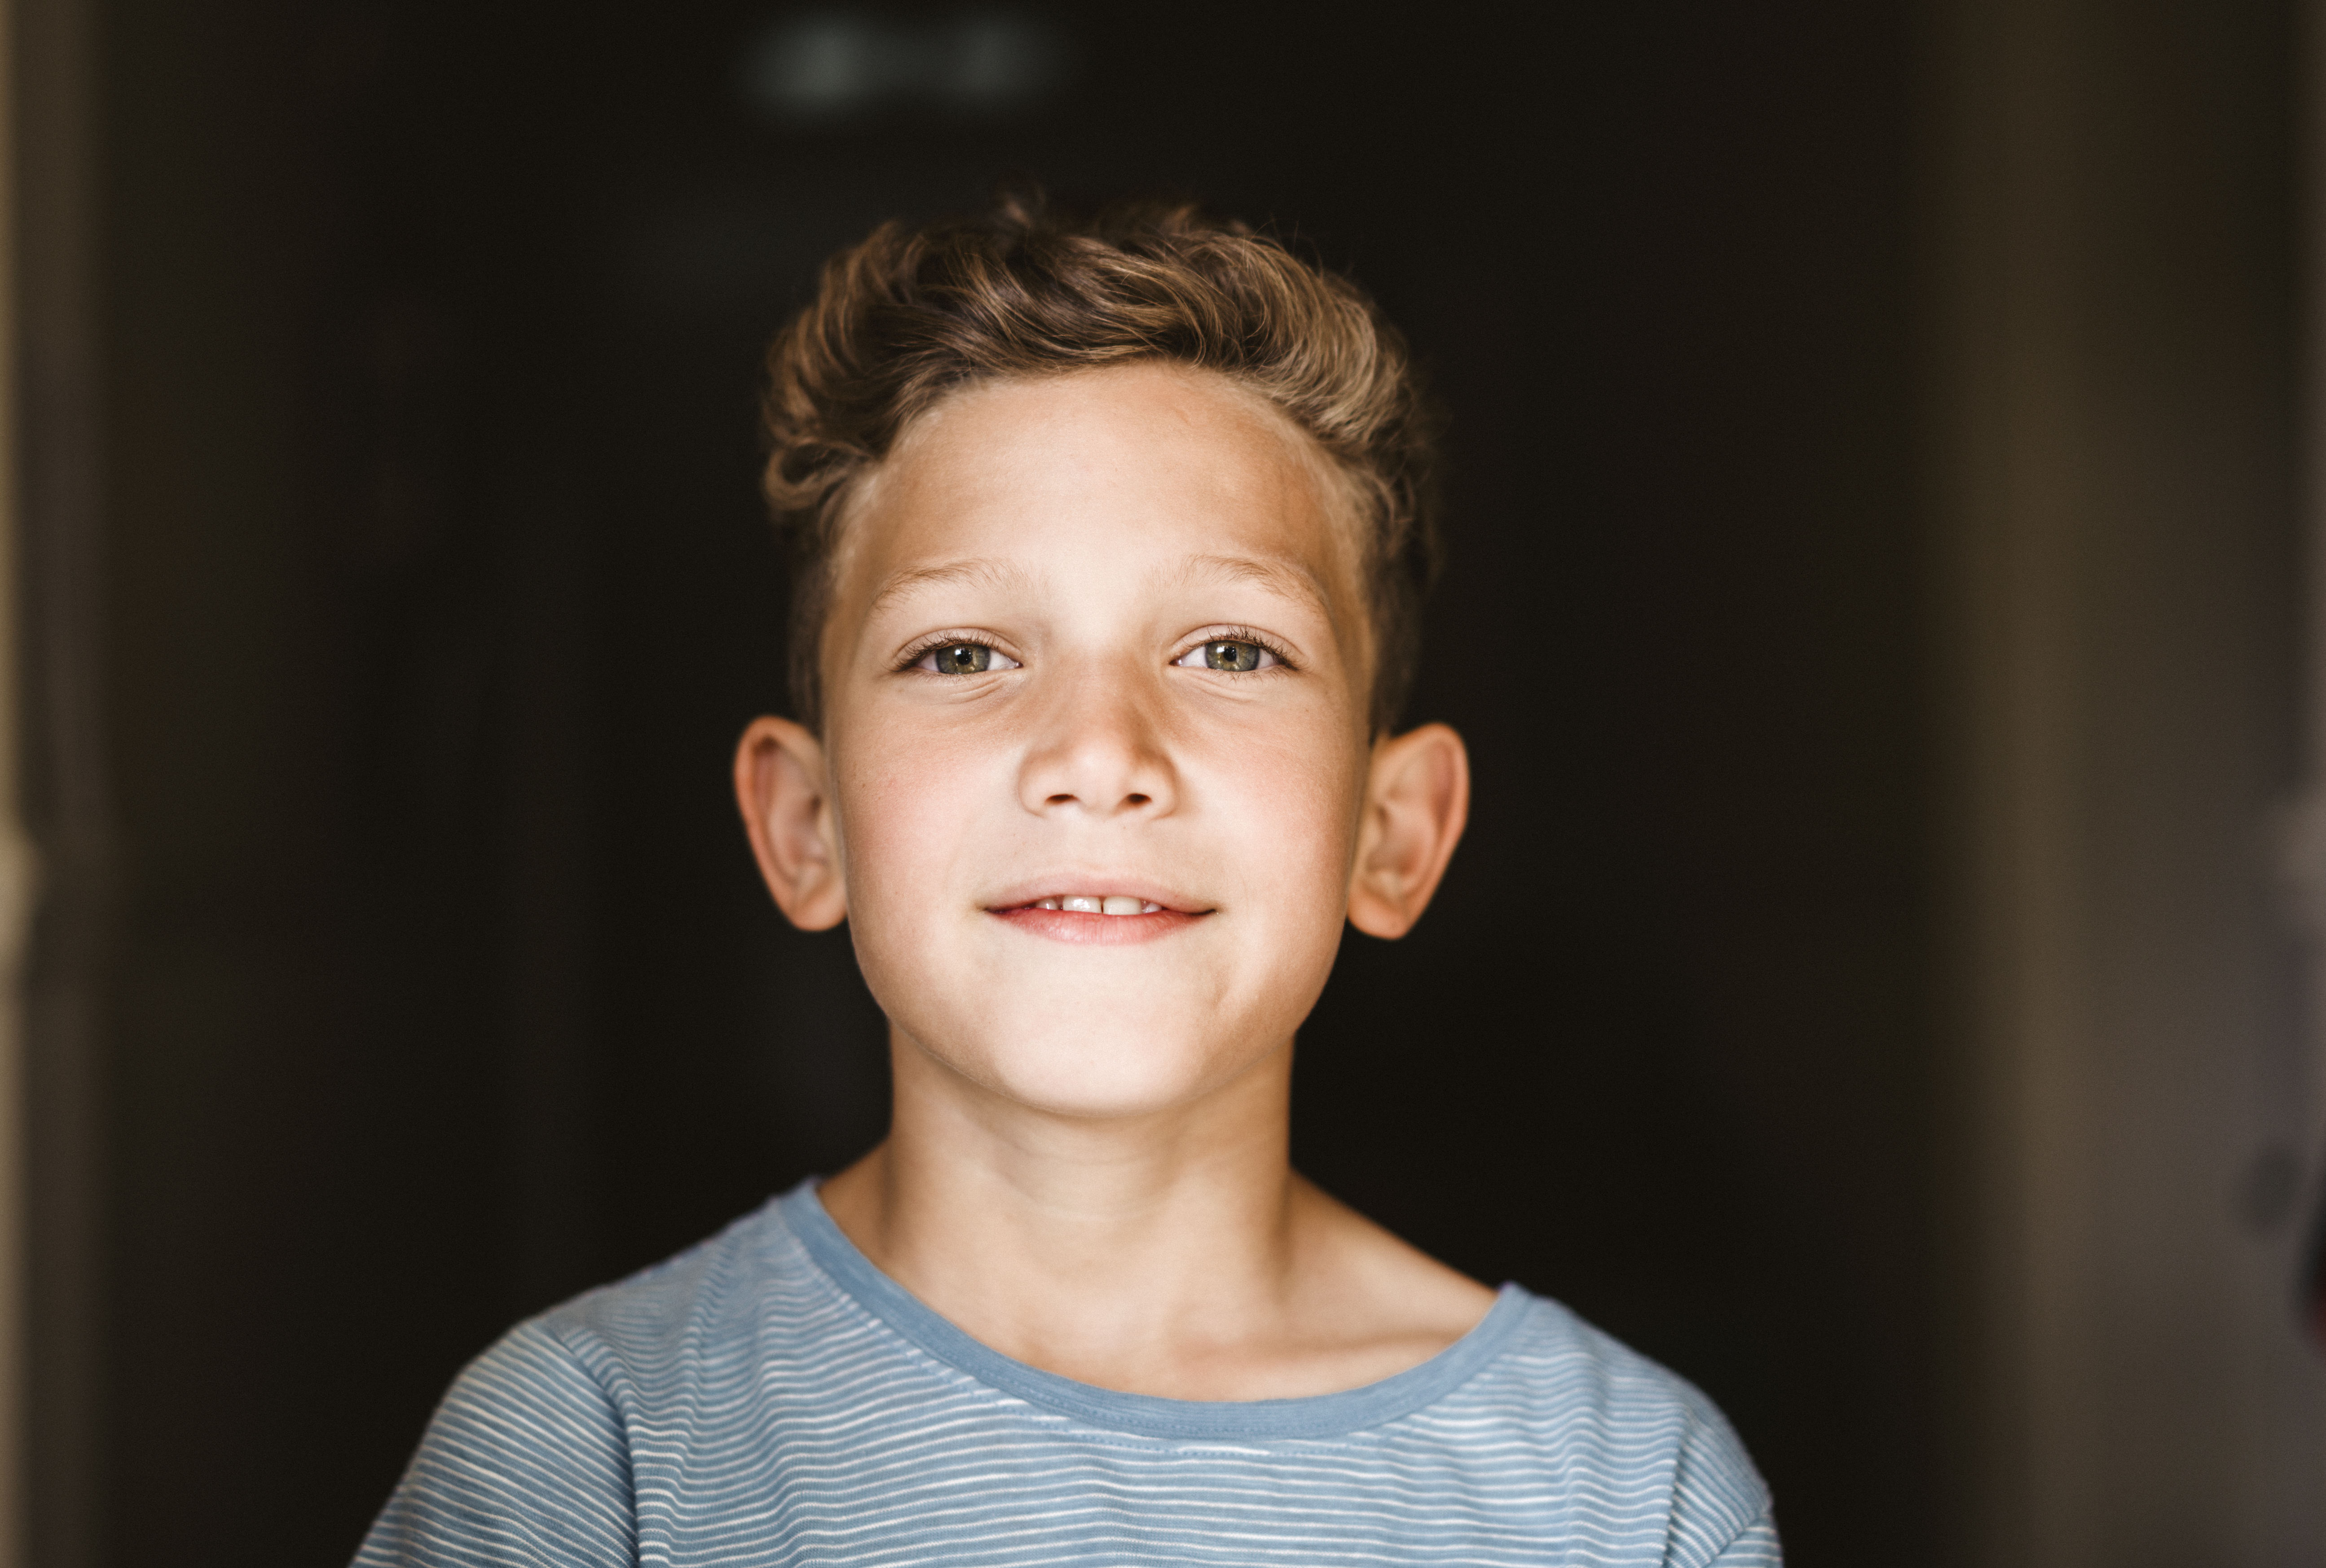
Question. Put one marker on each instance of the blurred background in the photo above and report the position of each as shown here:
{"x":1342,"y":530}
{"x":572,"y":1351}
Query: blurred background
{"x":1879,"y":507}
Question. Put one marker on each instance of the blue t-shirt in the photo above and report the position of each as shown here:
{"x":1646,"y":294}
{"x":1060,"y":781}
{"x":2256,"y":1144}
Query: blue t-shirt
{"x":769,"y":1397}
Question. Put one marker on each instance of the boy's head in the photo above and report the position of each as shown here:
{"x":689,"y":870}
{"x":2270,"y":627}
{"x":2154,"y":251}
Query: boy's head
{"x":911,"y":316}
{"x":1111,"y":577}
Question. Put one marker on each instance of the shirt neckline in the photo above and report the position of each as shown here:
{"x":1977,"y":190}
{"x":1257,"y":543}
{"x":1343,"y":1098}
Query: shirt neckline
{"x":1146,"y":1414}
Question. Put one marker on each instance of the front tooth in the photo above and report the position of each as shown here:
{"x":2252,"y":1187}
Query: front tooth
{"x":1116,"y":903}
{"x":1079,"y":904}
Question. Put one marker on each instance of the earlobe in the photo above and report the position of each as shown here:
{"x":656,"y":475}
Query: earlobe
{"x":782,"y":788}
{"x":1417,"y":801}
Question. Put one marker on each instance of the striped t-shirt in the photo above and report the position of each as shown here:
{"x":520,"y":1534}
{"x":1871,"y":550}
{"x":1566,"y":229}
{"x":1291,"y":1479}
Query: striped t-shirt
{"x":770,"y":1397}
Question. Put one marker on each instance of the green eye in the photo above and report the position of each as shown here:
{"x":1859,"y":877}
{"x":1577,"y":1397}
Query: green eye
{"x":959,"y":659}
{"x":1236,"y":655}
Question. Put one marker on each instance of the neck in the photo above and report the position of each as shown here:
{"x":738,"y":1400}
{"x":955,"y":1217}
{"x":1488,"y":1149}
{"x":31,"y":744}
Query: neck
{"x":1102,"y":1247}
{"x":1173,"y":1252}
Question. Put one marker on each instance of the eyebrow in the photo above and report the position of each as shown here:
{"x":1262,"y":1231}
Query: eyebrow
{"x":1285,"y":578}
{"x":1003,"y":574}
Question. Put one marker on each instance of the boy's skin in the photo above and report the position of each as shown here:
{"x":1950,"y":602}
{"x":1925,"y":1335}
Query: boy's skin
{"x":1087,"y":1167}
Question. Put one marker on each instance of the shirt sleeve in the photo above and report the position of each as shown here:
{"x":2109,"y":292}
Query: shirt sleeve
{"x":525,"y":1465}
{"x":1754,"y":1547}
{"x":1721,"y":1515}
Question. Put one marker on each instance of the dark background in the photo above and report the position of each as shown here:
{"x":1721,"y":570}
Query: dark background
{"x":434,"y":982}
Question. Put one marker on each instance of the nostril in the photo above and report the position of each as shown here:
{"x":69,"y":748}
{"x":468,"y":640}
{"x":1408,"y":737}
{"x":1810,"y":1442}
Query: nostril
{"x":1135,"y":800}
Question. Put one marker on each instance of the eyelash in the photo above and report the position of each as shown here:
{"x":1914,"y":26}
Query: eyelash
{"x":1240,"y":635}
{"x":922,"y":647}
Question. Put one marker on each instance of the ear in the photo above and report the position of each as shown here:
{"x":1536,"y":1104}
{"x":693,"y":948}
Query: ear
{"x":1416,"y":800}
{"x":781,"y":786}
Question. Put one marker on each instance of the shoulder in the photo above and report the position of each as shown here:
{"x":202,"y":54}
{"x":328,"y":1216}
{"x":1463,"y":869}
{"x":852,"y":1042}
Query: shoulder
{"x":524,"y":1461}
{"x":530,"y":1456}
{"x":717,"y":1302}
{"x":1637,"y":1441}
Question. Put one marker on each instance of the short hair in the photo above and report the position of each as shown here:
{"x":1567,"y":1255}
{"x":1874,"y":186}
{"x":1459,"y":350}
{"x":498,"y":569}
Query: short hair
{"x":1024,"y":289}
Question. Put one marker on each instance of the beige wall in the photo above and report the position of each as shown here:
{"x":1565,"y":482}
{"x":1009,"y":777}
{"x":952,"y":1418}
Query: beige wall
{"x":2115,"y":517}
{"x":48,"y":537}
{"x":15,"y":862}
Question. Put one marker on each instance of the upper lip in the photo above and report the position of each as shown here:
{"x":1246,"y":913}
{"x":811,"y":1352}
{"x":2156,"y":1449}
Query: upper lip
{"x":1101,"y":884}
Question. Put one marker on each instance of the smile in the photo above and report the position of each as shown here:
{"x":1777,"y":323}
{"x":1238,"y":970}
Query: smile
{"x":1097,"y":918}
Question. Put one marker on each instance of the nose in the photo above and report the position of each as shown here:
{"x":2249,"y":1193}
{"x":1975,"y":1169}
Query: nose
{"x":1099,"y":751}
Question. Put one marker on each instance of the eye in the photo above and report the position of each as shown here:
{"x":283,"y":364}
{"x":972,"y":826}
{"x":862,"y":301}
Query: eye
{"x":1231,"y":654}
{"x":964,"y":659}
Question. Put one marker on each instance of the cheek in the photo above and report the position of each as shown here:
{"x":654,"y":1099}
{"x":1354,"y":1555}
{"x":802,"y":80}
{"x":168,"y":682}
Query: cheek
{"x":910,"y":804}
{"x":1287,"y":803}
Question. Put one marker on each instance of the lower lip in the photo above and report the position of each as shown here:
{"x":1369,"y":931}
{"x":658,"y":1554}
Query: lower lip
{"x":1096,"y":929}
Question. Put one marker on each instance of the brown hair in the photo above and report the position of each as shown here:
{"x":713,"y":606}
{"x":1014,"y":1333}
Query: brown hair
{"x":1023,"y":289}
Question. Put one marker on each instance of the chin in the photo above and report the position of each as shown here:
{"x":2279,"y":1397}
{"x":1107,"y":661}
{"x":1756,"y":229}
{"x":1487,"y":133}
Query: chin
{"x":1096,"y":1071}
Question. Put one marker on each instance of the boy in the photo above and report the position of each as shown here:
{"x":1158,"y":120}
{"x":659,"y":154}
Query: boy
{"x":1111,"y":546}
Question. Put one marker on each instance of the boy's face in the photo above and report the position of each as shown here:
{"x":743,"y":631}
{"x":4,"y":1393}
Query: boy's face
{"x":1098,"y":643}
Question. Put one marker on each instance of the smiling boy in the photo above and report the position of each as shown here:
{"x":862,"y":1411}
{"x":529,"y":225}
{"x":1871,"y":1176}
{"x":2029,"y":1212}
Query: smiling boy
{"x":1111,"y":539}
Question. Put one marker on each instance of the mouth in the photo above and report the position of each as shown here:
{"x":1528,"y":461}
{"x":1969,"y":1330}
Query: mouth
{"x":1095,"y":918}
{"x":1115,"y":903}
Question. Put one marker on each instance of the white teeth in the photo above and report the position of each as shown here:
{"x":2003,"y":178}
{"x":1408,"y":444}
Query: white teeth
{"x":1094,"y":904}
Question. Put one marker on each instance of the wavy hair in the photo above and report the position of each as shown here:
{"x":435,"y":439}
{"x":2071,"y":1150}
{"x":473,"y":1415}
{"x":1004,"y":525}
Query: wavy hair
{"x":1025,"y":288}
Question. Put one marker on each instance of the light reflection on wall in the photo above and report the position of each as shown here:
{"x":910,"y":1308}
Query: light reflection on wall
{"x":841,"y":65}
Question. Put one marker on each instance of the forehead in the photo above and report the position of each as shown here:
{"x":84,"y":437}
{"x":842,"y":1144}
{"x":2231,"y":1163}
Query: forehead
{"x":1150,"y":460}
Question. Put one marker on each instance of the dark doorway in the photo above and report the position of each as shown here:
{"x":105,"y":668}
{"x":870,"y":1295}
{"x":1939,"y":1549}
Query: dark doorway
{"x":436,"y":589}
